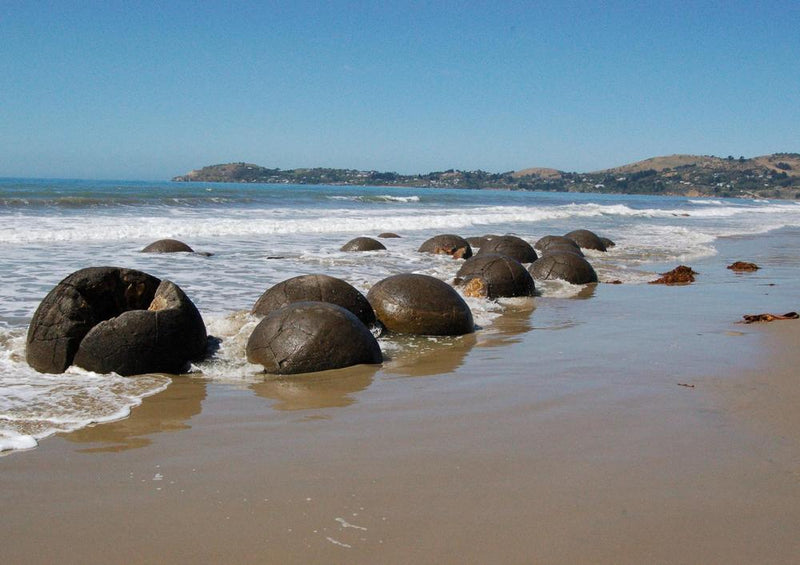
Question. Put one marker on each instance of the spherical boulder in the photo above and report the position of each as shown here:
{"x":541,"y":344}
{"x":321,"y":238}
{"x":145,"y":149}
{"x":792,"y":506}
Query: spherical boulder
{"x":363,"y":244}
{"x":388,"y":235}
{"x":512,"y":246}
{"x":492,"y":275}
{"x":586,"y":239}
{"x":306,"y":337}
{"x":167,"y":246}
{"x":447,"y":244}
{"x":564,"y":266}
{"x":561,"y":248}
{"x":315,"y":288}
{"x":554,"y":240}
{"x":108,"y":319}
{"x":478,"y":241}
{"x":420,"y":304}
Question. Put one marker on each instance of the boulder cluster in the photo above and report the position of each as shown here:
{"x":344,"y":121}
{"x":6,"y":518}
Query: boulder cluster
{"x":111,"y":319}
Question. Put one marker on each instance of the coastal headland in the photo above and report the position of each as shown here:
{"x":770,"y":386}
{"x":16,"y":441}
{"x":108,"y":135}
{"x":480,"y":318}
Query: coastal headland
{"x":768,"y":176}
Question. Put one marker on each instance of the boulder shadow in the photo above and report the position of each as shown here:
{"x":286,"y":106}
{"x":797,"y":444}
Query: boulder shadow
{"x":167,"y":411}
{"x":323,"y":389}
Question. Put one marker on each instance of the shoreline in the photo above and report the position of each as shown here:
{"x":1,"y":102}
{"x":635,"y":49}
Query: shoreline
{"x":422,"y":463}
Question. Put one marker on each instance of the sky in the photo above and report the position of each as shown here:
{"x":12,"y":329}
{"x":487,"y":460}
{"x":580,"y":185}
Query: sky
{"x":150,"y":90}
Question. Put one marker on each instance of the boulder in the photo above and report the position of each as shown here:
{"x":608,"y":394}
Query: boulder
{"x":492,"y":275}
{"x":447,"y":244}
{"x":363,"y":244}
{"x":108,"y":319}
{"x":586,"y":239}
{"x":420,"y":304}
{"x":511,"y":246}
{"x":315,"y":288}
{"x":564,"y":266}
{"x":306,"y":337}
{"x":167,"y":246}
{"x":554,"y":240}
{"x":388,"y":235}
{"x":556,"y":248}
{"x":479,"y":241}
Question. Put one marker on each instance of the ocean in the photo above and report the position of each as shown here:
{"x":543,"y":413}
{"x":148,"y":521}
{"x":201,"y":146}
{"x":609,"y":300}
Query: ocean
{"x":259,"y":235}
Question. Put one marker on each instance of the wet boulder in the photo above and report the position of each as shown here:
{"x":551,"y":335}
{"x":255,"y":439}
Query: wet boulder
{"x":512,"y":246}
{"x":586,"y":239}
{"x":564,"y":266}
{"x":167,"y":246}
{"x":492,"y":275}
{"x":315,"y":288}
{"x":476,"y":242}
{"x":108,"y":319}
{"x":447,"y":244}
{"x":544,"y":243}
{"x":556,"y":248}
{"x":388,"y":235}
{"x":306,"y":337}
{"x":363,"y":244}
{"x":420,"y":304}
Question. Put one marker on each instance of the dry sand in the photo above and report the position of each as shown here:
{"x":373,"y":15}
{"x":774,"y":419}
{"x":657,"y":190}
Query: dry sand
{"x":360,"y":470}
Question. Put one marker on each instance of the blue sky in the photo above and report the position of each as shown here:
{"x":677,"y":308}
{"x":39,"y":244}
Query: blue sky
{"x":149,"y":90}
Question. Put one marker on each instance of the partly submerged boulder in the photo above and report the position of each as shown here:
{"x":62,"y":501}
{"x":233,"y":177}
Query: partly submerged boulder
{"x":447,"y":244}
{"x":544,"y":243}
{"x":512,"y":246}
{"x":315,"y":288}
{"x":564,"y":266}
{"x":306,"y":337}
{"x":167,"y":246}
{"x":492,"y":275}
{"x":478,"y":241}
{"x":420,"y":304}
{"x":108,"y":319}
{"x":363,"y":244}
{"x":586,"y":239}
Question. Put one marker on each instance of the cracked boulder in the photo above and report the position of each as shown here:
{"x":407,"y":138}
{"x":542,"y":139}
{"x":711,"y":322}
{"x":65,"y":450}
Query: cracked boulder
{"x":306,"y":337}
{"x":109,"y":319}
{"x":492,"y":275}
{"x":555,"y":241}
{"x":316,"y":288}
{"x":447,"y":244}
{"x":511,"y":246}
{"x":479,"y":241}
{"x":363,"y":244}
{"x":421,"y":305}
{"x":167,"y":246}
{"x":564,"y":266}
{"x":586,"y":239}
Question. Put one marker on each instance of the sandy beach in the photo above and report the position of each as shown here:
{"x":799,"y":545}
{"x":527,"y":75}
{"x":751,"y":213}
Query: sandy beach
{"x":514,"y":445}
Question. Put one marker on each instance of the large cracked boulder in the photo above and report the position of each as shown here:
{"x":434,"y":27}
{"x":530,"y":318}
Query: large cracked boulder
{"x":306,"y":337}
{"x":447,"y":244}
{"x":315,"y":288}
{"x":511,"y":246}
{"x":548,"y":241}
{"x":363,"y":244}
{"x":109,"y":319}
{"x":564,"y":266}
{"x":420,"y":304}
{"x":586,"y":239}
{"x":167,"y":246}
{"x":478,"y":241}
{"x":492,"y":275}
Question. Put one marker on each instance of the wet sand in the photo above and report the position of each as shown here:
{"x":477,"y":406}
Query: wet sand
{"x":633,"y":424}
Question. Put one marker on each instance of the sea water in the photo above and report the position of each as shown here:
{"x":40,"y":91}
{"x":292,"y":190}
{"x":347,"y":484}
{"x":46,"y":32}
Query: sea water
{"x":254,"y":236}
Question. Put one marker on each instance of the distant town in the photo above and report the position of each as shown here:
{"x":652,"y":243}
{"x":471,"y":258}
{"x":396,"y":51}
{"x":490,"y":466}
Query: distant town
{"x":768,"y":176}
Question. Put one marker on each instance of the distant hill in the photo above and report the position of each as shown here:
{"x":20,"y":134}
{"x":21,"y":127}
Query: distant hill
{"x":767,"y":176}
